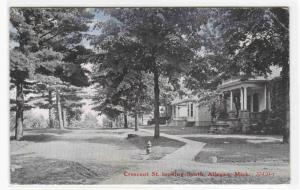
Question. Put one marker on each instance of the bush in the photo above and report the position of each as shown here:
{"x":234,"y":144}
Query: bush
{"x":274,"y":125}
{"x":33,"y":121}
{"x":90,"y":121}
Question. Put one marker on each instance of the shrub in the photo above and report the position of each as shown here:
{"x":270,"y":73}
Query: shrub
{"x":33,"y":121}
{"x":274,"y":124}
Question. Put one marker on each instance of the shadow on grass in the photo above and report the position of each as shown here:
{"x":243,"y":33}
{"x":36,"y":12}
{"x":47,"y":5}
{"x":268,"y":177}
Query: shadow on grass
{"x":209,"y":140}
{"x":101,"y":128}
{"x":141,"y":142}
{"x":109,"y":141}
{"x":42,"y":135}
{"x":47,"y":130}
{"x":50,"y":137}
{"x":40,"y":138}
{"x":180,"y":130}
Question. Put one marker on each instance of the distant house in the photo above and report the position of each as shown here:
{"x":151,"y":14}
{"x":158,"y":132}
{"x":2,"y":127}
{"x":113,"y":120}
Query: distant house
{"x":187,"y":112}
{"x":144,"y":119}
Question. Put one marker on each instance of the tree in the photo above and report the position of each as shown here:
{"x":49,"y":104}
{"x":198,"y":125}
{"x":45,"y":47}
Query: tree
{"x":242,"y":41}
{"x":256,"y":39}
{"x":165,"y":41}
{"x":39,"y":34}
{"x":118,"y":75}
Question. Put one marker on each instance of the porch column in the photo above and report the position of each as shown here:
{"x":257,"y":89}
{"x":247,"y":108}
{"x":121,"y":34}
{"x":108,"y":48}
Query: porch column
{"x":265,"y":96}
{"x":241,"y":98}
{"x":231,"y":98}
{"x":245,"y":98}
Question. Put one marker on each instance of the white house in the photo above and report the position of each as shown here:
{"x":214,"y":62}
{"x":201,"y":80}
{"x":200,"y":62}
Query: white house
{"x":187,"y":112}
{"x":245,"y":101}
{"x":251,"y":95}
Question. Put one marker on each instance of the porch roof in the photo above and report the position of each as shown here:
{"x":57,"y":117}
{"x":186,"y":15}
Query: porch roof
{"x":236,"y":84}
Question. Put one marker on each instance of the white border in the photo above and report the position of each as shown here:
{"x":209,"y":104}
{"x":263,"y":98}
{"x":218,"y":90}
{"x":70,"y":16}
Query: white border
{"x":294,"y":71}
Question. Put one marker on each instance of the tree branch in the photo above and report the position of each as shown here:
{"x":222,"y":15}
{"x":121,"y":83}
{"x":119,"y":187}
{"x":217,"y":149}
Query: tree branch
{"x":278,"y":21}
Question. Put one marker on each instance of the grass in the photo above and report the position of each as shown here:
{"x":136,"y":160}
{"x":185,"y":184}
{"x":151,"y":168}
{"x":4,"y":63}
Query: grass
{"x":49,"y":130}
{"x":50,"y":135}
{"x":236,"y":150}
{"x":237,"y":154}
{"x":177,"y":130}
{"x":160,"y":146}
{"x":31,"y":167}
{"x":221,"y":180}
{"x":53,"y":171}
{"x":141,"y":142}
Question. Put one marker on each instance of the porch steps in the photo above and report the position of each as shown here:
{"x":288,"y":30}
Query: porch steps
{"x":220,"y":127}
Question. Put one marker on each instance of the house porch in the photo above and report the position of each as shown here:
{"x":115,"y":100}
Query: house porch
{"x":245,"y":102}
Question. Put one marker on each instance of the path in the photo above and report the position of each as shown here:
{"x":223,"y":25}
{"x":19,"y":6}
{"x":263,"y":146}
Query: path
{"x":186,"y":152}
{"x":179,"y":159}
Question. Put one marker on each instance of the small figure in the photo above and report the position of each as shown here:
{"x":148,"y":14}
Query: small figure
{"x":148,"y":148}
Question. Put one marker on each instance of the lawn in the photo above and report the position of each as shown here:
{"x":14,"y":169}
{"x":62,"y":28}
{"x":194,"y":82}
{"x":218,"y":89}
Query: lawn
{"x":51,"y":156}
{"x":220,"y":180}
{"x":179,"y":130}
{"x":265,"y":162}
{"x":160,"y":147}
{"x":238,"y":150}
{"x":38,"y":170}
{"x":93,"y":156}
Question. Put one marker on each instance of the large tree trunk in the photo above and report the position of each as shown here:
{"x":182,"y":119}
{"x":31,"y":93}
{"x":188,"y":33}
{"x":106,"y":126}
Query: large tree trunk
{"x":59,"y":110}
{"x":136,"y":121}
{"x":136,"y":114}
{"x":156,"y":104}
{"x":19,"y":112}
{"x":286,"y":134}
{"x":51,"y":115}
{"x":125,"y":120}
{"x":64,"y":117}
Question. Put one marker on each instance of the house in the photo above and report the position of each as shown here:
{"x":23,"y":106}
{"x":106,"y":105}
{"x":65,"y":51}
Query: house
{"x":187,"y":112}
{"x":245,"y":100}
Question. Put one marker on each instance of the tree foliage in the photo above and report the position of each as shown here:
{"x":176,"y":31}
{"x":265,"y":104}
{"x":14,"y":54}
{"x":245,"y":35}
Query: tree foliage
{"x":45,"y":38}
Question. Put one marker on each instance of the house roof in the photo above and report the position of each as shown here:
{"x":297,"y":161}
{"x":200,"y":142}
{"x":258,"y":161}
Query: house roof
{"x":240,"y":83}
{"x":179,"y":101}
{"x":238,"y":80}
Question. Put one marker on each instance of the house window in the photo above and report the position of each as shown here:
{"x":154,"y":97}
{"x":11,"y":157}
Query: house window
{"x":192,"y":111}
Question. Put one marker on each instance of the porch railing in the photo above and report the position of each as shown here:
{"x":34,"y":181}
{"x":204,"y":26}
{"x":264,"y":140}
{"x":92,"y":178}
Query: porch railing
{"x":257,"y":115}
{"x":247,"y":114}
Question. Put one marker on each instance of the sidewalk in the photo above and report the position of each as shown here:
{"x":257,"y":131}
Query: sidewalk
{"x":180,"y":159}
{"x":186,"y":152}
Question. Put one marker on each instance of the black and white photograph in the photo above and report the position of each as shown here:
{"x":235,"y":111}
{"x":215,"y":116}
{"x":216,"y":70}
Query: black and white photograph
{"x":149,"y":95}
